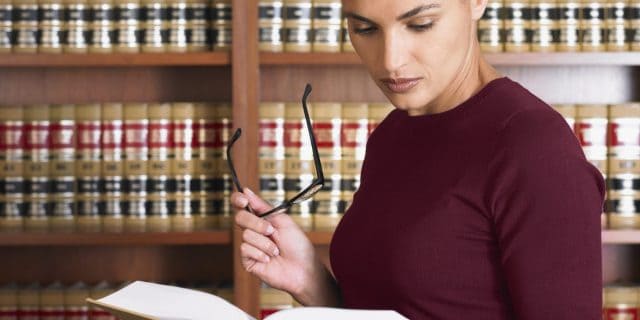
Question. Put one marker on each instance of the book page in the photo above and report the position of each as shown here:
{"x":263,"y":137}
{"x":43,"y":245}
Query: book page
{"x":145,"y":300}
{"x":314,"y":313}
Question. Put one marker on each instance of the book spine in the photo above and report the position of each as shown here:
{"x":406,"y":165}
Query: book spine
{"x":98,"y":291}
{"x":271,"y":159}
{"x":25,"y":24}
{"x":297,"y":25}
{"x":112,"y":168}
{"x":326,"y":127}
{"x":178,"y":26}
{"x":623,"y":179}
{"x":161,"y":184}
{"x":205,"y":166}
{"x":52,"y":302}
{"x":154,"y":26}
{"x":634,"y":25}
{"x":620,"y":302}
{"x":347,"y":46}
{"x":569,"y":25}
{"x":51,"y":26}
{"x":102,"y":33}
{"x":6,"y":26}
{"x":223,"y":184}
{"x":88,"y":155}
{"x":270,"y":26}
{"x":490,"y":27}
{"x":38,"y":186}
{"x":75,"y":307}
{"x":354,"y":135}
{"x":197,"y":25}
{"x":8,"y":302}
{"x":182,"y":167}
{"x":29,"y":302}
{"x":544,"y":25}
{"x":592,"y":26}
{"x":299,"y":168}
{"x":62,"y":167}
{"x":136,"y":147}
{"x":618,"y":24}
{"x":221,"y":25}
{"x":517,"y":25}
{"x":78,"y":22}
{"x":12,"y":184}
{"x":327,"y":25}
{"x":128,"y":29}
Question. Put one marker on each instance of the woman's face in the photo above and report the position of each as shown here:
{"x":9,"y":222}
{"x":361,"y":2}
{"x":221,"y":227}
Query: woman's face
{"x":415,"y":50}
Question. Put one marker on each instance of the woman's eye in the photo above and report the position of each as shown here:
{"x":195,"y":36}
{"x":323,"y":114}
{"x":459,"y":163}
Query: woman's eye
{"x":421,"y":27}
{"x":365,"y":30}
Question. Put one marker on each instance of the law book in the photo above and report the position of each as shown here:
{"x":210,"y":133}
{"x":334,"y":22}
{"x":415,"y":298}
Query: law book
{"x":6,"y":26}
{"x":77,"y":17}
{"x":221,"y":25}
{"x":223,"y":184}
{"x":12,"y":183}
{"x":182,"y":166}
{"x":9,"y":301}
{"x":544,"y":25}
{"x":102,"y":30}
{"x":270,"y":26}
{"x":177,"y":26}
{"x":159,"y":167}
{"x":136,"y":147}
{"x":299,"y":166}
{"x":52,"y":302}
{"x":205,"y":166}
{"x":29,"y":302}
{"x":491,"y":27}
{"x":112,"y":167}
{"x":128,"y":26}
{"x":62,"y":167}
{"x":50,"y":26}
{"x":197,"y":26}
{"x":347,"y":46}
{"x":618,"y":24}
{"x":634,"y":25}
{"x":36,"y":169}
{"x":327,"y":25}
{"x":88,"y":167}
{"x":517,"y":25}
{"x":327,"y":123}
{"x":150,"y":301}
{"x":569,"y":25}
{"x":75,"y":306}
{"x":25,"y":26}
{"x":99,"y":290}
{"x":297,"y":25}
{"x":155,"y":26}
{"x":592,"y":26}
{"x":271,"y":159}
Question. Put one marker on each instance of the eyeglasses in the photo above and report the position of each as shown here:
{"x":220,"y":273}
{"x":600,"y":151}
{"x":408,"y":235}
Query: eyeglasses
{"x":307,"y":192}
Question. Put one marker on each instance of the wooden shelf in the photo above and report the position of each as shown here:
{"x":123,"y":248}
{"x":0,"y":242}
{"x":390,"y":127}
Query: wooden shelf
{"x":115,"y":59}
{"x":97,"y":239}
{"x":497,"y":59}
{"x":320,"y":237}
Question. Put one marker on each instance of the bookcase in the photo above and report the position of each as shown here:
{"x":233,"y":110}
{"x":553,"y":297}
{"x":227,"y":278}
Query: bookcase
{"x":247,"y":77}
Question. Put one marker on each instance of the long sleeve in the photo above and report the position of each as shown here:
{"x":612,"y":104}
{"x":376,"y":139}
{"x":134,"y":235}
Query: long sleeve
{"x":546,"y":201}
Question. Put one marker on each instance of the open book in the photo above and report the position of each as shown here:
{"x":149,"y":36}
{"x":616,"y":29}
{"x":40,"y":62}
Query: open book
{"x":150,"y":301}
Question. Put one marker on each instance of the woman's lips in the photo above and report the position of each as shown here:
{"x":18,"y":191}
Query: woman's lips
{"x":400,"y":85}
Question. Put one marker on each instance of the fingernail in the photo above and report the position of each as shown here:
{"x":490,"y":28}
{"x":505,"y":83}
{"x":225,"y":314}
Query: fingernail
{"x":244,"y":201}
{"x":276,"y":252}
{"x":270,"y":230}
{"x":247,"y":190}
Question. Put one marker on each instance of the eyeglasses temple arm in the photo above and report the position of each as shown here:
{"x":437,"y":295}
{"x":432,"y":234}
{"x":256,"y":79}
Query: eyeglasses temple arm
{"x":234,"y":175}
{"x":314,"y":146}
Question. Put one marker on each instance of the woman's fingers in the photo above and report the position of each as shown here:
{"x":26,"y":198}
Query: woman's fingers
{"x":260,"y":242}
{"x":251,"y":252}
{"x":247,"y":220}
{"x":256,"y":203}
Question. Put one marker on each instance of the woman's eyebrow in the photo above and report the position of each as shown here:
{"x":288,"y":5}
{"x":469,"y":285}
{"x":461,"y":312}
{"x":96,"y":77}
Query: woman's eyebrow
{"x":417,"y":10}
{"x":406,"y":15}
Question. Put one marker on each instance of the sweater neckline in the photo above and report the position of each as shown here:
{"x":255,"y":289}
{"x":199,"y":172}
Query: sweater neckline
{"x":453,"y":112}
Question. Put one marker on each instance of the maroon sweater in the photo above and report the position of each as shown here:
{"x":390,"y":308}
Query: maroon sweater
{"x":486,"y":211}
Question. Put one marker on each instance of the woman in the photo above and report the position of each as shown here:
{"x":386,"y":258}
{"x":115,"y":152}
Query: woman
{"x":476,"y":199}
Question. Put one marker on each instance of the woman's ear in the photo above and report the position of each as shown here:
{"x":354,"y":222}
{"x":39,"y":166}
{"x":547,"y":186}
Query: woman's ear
{"x":477,"y":8}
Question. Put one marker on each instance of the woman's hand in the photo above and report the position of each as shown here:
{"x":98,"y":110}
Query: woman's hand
{"x":275,"y":249}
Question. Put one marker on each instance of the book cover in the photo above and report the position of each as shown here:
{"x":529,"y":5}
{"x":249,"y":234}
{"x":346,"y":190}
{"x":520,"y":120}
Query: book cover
{"x":182,"y":166}
{"x":297,"y":25}
{"x":221,"y":33}
{"x":112,"y":167}
{"x":271,"y":155}
{"x":36,"y":169}
{"x":87,"y":167}
{"x":12,"y":183}
{"x":136,"y":148}
{"x":102,"y":32}
{"x":150,"y":301}
{"x":327,"y":25}
{"x":270,"y":26}
{"x":159,"y":168}
{"x":205,"y":165}
{"x":299,"y":167}
{"x":50,"y":26}
{"x":25,"y":26}
{"x":197,"y":26}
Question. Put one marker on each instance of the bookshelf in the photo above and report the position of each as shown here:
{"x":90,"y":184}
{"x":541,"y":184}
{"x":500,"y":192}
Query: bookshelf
{"x":247,"y":77}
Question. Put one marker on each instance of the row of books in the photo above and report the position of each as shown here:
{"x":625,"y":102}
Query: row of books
{"x":560,"y":25}
{"x":621,"y":302}
{"x":610,"y":138}
{"x":59,"y":301}
{"x":302,"y":26}
{"x":104,"y":26}
{"x":285,"y":158}
{"x":114,"y":167}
